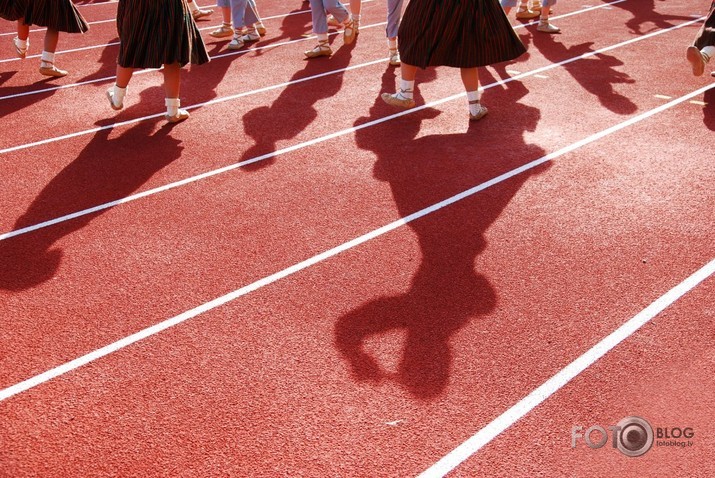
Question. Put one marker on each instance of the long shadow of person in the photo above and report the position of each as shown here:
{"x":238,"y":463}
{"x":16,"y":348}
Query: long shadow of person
{"x":709,"y":109}
{"x":446,"y":292}
{"x":107,"y":63}
{"x":296,"y":24}
{"x":643,"y":12}
{"x":596,"y":74}
{"x":107,"y":169}
{"x":293,"y":110}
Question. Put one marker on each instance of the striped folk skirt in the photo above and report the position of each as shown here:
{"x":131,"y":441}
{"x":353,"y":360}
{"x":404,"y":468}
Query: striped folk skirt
{"x":59,"y":15}
{"x":157,"y":32}
{"x":458,"y":33}
{"x":706,"y":35}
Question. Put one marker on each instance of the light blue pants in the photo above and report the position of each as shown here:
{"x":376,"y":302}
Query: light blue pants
{"x":394,"y":13}
{"x":320,"y":8}
{"x":242,"y":11}
{"x":513,"y":3}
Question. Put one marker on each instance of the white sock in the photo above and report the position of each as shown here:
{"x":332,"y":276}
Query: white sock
{"x":473,"y":97}
{"x":406,"y":88}
{"x":47,"y":57}
{"x":392,"y":44}
{"x":322,"y":37}
{"x":356,"y":18}
{"x":118,"y":94}
{"x":192,"y":6}
{"x":709,"y":51}
{"x":172,"y":106}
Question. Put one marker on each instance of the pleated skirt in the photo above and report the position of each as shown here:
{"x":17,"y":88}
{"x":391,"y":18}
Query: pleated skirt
{"x":59,"y":15}
{"x":706,"y":35}
{"x":457,"y":33}
{"x":157,"y":32}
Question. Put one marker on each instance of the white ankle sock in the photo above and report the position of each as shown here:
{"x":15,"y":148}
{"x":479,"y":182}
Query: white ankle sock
{"x":473,"y":97}
{"x":172,"y":106}
{"x":709,"y":51}
{"x":406,"y":88}
{"x":48,"y":58}
{"x":392,"y":44}
{"x":322,"y":37}
{"x":118,"y":94}
{"x":356,"y":18}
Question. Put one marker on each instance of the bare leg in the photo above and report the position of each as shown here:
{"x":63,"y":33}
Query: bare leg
{"x":51,"y":39}
{"x":172,"y":83}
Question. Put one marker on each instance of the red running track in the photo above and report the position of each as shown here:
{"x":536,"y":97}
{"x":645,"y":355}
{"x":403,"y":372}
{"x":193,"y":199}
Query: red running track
{"x":302,"y":337}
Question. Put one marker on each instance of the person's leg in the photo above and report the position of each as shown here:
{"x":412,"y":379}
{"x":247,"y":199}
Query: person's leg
{"x":119,"y":90}
{"x":238,"y":12}
{"x":251,"y":18}
{"x":544,"y":25}
{"x":320,"y":28}
{"x":355,"y":8}
{"x":47,"y":62}
{"x":507,"y":5}
{"x":703,"y":48}
{"x":470,"y":80}
{"x":394,"y":14}
{"x":22,"y":40}
{"x":225,"y":29}
{"x":197,"y":12}
{"x":258,"y":23}
{"x":524,"y":12}
{"x":404,"y":97}
{"x":172,"y":85}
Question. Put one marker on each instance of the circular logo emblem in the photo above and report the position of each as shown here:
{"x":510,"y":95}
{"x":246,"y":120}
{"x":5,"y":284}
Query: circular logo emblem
{"x":636,"y":436}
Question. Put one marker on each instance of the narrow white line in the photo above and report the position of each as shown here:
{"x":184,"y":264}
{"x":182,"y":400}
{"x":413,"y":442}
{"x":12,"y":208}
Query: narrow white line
{"x":236,"y":53}
{"x":149,"y":331}
{"x":555,"y":383}
{"x":208,"y":174}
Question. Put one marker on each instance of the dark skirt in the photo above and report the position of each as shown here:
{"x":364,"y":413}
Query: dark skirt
{"x":12,"y":9}
{"x":458,"y":33}
{"x":706,"y":35}
{"x":60,"y":15}
{"x":157,"y":32}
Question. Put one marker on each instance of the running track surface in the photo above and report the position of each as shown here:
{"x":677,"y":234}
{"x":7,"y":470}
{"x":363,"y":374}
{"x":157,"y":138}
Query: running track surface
{"x":237,"y":295}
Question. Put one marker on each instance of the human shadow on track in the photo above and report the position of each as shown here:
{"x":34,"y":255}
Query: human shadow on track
{"x":596,"y":74}
{"x":294,"y":26}
{"x":446,"y":292}
{"x":13,"y":105}
{"x":643,"y":12}
{"x":107,"y":169}
{"x":293,"y":111}
{"x":709,"y":109}
{"x":107,"y":63}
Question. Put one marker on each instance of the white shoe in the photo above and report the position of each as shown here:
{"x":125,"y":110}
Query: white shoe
{"x":110,"y":96}
{"x":697,"y":60}
{"x":251,"y":35}
{"x":237,"y":42}
{"x":480,"y":114}
{"x":394,"y":57}
{"x":546,"y":27}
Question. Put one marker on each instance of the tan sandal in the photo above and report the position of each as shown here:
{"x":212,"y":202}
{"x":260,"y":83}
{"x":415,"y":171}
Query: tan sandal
{"x":225,"y":30}
{"x":21,"y":52}
{"x":321,"y":49}
{"x":181,"y":115}
{"x":480,"y":114}
{"x":349,"y":32}
{"x":397,"y":99}
{"x":201,"y":13}
{"x":51,"y":70}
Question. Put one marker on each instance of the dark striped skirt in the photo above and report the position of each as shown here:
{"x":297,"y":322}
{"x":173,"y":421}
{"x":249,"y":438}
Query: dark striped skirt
{"x":59,"y":15}
{"x":157,"y":32}
{"x":458,"y":33}
{"x":706,"y":35}
{"x":12,"y":9}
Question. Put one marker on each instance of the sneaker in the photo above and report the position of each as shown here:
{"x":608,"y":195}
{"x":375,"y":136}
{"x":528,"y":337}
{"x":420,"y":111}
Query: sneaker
{"x":397,"y":99}
{"x":20,"y":51}
{"x":222,"y":31}
{"x":181,"y":115}
{"x":260,"y":28}
{"x":201,"y":13}
{"x":237,"y":42}
{"x":394,"y":57}
{"x":49,"y":69}
{"x":546,"y":27}
{"x":251,"y":35}
{"x":350,"y":32}
{"x":525,"y":14}
{"x":110,"y":97}
{"x":697,"y":60}
{"x":321,"y":49}
{"x":480,"y":114}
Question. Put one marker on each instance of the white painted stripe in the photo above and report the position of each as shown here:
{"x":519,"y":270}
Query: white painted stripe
{"x":663,"y":97}
{"x":149,"y":331}
{"x":555,"y":383}
{"x":231,"y":167}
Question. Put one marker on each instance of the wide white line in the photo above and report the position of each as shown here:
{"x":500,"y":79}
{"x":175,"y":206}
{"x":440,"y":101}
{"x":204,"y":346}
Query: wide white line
{"x":149,"y":331}
{"x":555,"y":383}
{"x":258,"y":48}
{"x":230,"y":167}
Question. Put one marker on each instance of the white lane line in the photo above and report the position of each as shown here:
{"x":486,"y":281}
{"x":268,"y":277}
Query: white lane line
{"x":240,"y":52}
{"x":154,"y":329}
{"x":230,"y":167}
{"x":555,"y":383}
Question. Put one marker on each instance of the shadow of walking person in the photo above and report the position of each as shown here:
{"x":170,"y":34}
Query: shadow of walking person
{"x":106,"y":170}
{"x":294,"y":109}
{"x":596,"y":74}
{"x":709,"y":109}
{"x":644,"y":12}
{"x":446,"y":292}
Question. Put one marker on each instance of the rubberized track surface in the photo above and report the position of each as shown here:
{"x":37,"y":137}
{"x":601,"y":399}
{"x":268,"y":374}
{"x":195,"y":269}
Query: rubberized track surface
{"x":301,"y":281}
